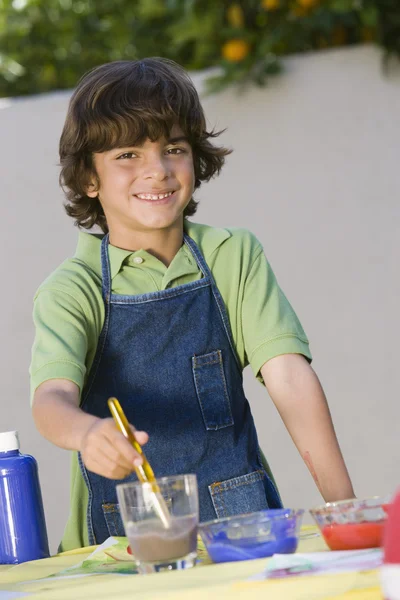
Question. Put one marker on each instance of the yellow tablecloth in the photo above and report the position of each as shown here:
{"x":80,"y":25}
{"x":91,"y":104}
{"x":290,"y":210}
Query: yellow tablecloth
{"x":207,"y":582}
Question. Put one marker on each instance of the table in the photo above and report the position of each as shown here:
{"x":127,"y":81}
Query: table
{"x":207,"y":582}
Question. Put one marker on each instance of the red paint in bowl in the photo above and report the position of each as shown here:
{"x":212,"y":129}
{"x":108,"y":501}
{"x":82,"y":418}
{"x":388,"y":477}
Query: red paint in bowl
{"x":353,"y":536}
{"x":353,"y":524}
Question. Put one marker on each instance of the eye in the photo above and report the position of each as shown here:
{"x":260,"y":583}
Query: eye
{"x":176,"y":150}
{"x":126,"y":155}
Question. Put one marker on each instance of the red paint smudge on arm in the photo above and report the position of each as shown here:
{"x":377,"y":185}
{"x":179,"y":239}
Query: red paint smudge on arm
{"x":309,"y":463}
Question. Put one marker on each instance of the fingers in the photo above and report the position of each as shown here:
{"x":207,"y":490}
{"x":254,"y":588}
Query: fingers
{"x":107,"y":452}
{"x":104,"y":466}
{"x":119,"y":453}
{"x":141,"y":436}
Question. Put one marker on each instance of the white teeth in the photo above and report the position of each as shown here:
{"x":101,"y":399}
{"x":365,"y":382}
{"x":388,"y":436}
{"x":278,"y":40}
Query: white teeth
{"x":154,"y":196}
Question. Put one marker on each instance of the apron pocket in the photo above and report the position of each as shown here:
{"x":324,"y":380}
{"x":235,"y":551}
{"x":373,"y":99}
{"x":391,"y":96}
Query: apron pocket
{"x":113,"y":519}
{"x":240,"y":495}
{"x":212,"y":392}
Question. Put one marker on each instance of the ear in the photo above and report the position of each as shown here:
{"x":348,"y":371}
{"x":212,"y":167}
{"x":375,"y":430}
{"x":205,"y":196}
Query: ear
{"x":92,"y":190}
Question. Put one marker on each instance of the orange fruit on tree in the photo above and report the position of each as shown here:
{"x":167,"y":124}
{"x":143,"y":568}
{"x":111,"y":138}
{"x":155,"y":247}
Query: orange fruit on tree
{"x":235,"y":15}
{"x":307,"y":3}
{"x":298,"y":11}
{"x":270,"y":4}
{"x":235,"y":50}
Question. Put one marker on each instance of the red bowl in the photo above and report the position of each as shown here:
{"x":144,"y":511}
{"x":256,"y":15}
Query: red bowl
{"x":352,"y":524}
{"x":353,"y":536}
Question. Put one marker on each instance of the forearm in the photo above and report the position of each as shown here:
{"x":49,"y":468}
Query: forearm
{"x":314,"y":436}
{"x":104,"y":449}
{"x":301,"y":402}
{"x":58,"y":417}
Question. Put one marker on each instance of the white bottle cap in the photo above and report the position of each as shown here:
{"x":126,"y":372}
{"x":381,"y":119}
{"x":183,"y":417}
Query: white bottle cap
{"x":9,"y":441}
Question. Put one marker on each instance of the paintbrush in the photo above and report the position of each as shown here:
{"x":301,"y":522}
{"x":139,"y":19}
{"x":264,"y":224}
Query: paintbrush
{"x":144,"y":471}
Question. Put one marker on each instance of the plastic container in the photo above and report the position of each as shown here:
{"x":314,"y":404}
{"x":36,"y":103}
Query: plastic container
{"x":390,"y":570}
{"x":23,"y":534}
{"x":254,"y":535}
{"x":352,"y":524}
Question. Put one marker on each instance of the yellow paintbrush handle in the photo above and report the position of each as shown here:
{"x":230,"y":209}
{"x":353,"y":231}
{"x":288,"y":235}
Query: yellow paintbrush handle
{"x":144,"y":472}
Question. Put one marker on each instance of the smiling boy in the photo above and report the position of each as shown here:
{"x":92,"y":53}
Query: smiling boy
{"x":164,"y":314}
{"x":144,"y":191}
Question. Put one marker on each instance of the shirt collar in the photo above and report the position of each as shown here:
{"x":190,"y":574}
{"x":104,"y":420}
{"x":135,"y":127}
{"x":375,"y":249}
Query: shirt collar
{"x":207,"y":238}
{"x":88,"y":250}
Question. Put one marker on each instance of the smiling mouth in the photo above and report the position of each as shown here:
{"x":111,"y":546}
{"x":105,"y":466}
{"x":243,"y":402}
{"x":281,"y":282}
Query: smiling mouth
{"x":154,"y":197}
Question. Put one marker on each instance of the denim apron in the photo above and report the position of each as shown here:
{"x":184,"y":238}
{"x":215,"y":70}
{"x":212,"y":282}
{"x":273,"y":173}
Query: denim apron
{"x":168,"y":357}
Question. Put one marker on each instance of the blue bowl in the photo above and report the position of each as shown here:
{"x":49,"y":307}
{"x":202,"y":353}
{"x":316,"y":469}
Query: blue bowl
{"x":253,"y":535}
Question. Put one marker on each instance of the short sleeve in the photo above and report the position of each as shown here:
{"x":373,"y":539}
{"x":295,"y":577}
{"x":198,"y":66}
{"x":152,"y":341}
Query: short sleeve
{"x":60,"y":346}
{"x":269,"y":324}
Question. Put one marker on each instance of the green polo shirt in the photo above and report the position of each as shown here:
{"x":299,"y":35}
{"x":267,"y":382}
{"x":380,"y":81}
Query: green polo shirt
{"x":69,"y":314}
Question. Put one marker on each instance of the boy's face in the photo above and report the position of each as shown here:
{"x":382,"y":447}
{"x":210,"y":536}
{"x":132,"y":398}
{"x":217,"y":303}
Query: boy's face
{"x":145,"y":188}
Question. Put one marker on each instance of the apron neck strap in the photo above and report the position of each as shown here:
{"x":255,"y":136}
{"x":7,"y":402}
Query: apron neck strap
{"x":199,"y":258}
{"x":105,"y":269}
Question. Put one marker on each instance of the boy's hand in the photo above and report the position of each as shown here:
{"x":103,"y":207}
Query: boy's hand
{"x":107,"y":452}
{"x":59,"y":419}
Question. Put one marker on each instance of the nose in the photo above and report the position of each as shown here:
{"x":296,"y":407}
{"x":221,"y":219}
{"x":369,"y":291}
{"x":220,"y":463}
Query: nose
{"x":157,"y":168}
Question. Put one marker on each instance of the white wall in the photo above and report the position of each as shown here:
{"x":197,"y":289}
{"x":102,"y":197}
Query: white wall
{"x":315,"y":175}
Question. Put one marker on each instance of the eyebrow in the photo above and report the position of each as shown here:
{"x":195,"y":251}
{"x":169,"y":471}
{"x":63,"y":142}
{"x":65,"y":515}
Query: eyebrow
{"x":176,"y":140}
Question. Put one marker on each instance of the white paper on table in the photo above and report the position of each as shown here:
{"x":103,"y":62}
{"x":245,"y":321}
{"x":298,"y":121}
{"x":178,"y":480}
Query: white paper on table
{"x":106,"y":544}
{"x":320,"y":563}
{"x":5,"y":595}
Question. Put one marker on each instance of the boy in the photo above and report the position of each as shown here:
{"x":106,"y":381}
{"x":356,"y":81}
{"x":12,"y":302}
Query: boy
{"x":164,"y":314}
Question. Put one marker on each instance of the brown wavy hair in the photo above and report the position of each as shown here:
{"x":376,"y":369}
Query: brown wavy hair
{"x":122,"y":104}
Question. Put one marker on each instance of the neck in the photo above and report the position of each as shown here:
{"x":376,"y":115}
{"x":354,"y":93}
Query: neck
{"x":161,"y":243}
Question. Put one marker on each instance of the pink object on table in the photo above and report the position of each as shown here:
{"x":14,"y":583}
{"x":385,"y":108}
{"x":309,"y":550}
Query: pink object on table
{"x":390,"y":571}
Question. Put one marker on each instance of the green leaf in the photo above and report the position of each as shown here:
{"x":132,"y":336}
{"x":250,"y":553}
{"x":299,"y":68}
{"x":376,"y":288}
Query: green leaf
{"x":54,"y":42}
{"x":342,"y":6}
{"x":369,"y":16}
{"x":151,"y":9}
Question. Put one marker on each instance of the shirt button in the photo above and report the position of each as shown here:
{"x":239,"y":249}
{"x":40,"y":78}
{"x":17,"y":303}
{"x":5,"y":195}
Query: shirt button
{"x":138,"y":260}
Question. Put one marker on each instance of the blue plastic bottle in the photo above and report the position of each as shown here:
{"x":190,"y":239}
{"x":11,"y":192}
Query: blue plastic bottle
{"x":23,"y":534}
